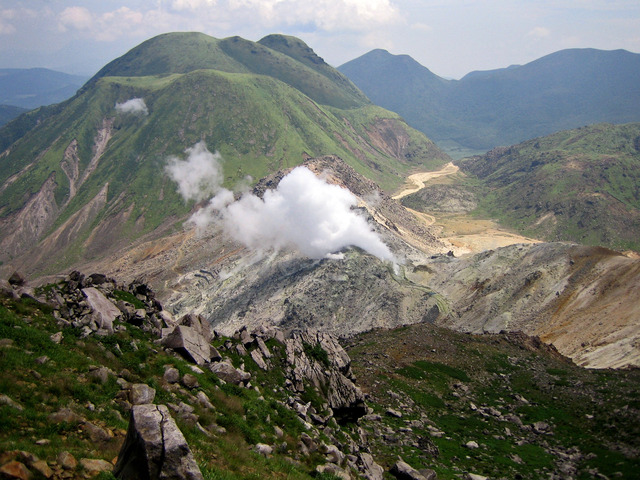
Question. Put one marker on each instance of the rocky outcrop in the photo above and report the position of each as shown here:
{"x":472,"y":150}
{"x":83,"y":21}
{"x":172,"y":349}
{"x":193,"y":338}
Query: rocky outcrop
{"x":317,"y":359}
{"x":155,"y":448}
{"x":93,"y":302}
{"x":192,"y":339}
{"x":104,"y":311}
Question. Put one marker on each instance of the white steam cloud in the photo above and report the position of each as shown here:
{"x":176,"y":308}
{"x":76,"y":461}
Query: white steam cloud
{"x":199,"y":176}
{"x":304,"y":212}
{"x":135,"y":106}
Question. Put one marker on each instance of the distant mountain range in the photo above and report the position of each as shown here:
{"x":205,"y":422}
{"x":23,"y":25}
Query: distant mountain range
{"x":564,"y":90}
{"x":9,"y":112}
{"x":30,"y":88}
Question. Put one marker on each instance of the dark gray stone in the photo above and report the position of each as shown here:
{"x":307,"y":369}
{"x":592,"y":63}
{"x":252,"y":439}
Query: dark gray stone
{"x":404,"y":471}
{"x":155,"y":448}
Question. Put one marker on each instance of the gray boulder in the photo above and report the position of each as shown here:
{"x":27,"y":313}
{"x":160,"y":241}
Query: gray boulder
{"x":155,"y":448}
{"x":404,"y":471}
{"x":199,"y":324}
{"x":227,"y":372}
{"x":141,"y":394}
{"x":104,"y":311}
{"x":190,"y":343}
{"x":369,"y":468}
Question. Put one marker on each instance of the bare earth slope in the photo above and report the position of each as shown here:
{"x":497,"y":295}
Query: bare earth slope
{"x":583,"y":300}
{"x":232,"y":286}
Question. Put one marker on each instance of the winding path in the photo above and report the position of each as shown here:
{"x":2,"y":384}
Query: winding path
{"x":416,"y":181}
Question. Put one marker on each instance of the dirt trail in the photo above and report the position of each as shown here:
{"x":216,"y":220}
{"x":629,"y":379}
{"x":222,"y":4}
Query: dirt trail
{"x":462,"y":233}
{"x":417,"y":181}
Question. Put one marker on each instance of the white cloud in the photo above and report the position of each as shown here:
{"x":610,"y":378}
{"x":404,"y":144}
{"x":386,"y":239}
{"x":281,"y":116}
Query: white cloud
{"x":423,"y":27}
{"x":328,"y":15}
{"x":303,"y":213}
{"x":78,"y":18}
{"x":112,"y":25}
{"x":6,"y":27}
{"x":134,"y":105}
{"x":192,"y":4}
{"x":539,"y":32}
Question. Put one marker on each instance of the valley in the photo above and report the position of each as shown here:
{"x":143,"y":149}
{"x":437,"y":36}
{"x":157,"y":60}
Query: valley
{"x":463,"y":234}
{"x":311,"y":286}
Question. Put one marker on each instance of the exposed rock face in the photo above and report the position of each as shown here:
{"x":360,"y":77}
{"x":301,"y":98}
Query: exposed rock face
{"x":318,"y":358}
{"x":190,"y":343}
{"x":104,"y":310}
{"x":155,"y":448}
{"x":583,"y":300}
{"x":340,"y":296}
{"x":23,"y":228}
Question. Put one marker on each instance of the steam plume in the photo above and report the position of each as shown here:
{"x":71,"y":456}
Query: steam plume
{"x":304,"y":212}
{"x":200,"y":175}
{"x":134,"y":105}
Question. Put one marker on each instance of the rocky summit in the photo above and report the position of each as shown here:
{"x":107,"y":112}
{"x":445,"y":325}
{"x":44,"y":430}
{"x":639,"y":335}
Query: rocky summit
{"x":144,"y":394}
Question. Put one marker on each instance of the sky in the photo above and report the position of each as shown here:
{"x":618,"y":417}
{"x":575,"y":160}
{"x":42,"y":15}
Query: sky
{"x":451,"y":38}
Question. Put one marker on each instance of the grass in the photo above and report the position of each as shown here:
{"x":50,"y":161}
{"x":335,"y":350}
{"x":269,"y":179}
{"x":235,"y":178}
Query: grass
{"x":585,"y":409}
{"x":259,"y":124}
{"x":128,"y":297}
{"x":64,"y":381}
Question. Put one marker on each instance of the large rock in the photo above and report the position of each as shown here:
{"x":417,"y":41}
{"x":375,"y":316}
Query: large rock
{"x":93,"y":466}
{"x":369,"y":468}
{"x":190,"y":343}
{"x":104,"y":311}
{"x":227,"y":372}
{"x":198,"y":323}
{"x":155,"y":448}
{"x":15,"y":470}
{"x":141,"y":394}
{"x":318,"y":358}
{"x":404,"y":471}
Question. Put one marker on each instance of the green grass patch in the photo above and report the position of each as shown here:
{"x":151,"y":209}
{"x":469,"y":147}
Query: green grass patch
{"x":128,"y":297}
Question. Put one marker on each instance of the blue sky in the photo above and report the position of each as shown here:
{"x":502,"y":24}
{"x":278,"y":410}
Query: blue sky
{"x":451,"y":38}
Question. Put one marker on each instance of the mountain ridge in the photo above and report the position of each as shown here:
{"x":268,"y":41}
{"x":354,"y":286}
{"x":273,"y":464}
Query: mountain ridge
{"x":34,"y":87}
{"x":85,"y":167}
{"x":486,"y":109}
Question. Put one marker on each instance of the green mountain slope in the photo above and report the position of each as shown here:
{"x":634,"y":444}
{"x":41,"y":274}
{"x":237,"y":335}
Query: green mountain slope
{"x":579,"y":185}
{"x":87,"y":177}
{"x":186,"y":52}
{"x":564,"y":90}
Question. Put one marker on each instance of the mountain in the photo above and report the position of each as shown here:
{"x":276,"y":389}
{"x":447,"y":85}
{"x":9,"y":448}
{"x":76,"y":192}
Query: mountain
{"x":580,"y":299}
{"x":186,"y":52}
{"x":87,"y":176}
{"x":78,"y":383}
{"x":33,"y":87}
{"x":9,"y":112}
{"x":577,"y":185}
{"x":483,"y":110}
